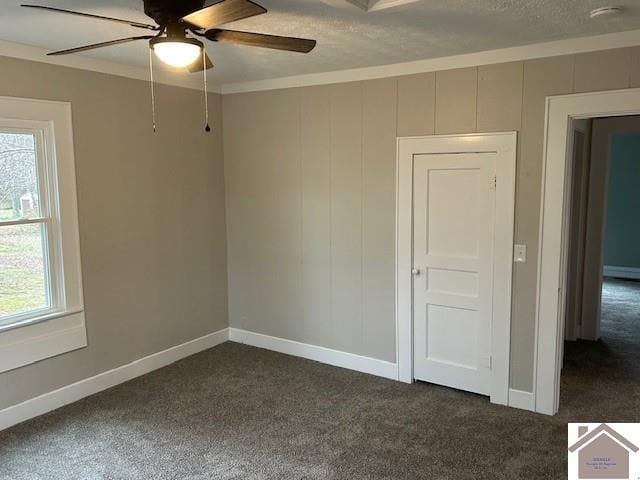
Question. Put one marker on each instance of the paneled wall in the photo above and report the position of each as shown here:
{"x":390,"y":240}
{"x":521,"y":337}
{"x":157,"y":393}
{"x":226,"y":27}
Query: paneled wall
{"x":151,"y":212}
{"x":310,"y":178}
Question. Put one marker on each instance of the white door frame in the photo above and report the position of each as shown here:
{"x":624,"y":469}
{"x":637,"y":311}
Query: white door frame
{"x":504,"y":145}
{"x":551,"y":292}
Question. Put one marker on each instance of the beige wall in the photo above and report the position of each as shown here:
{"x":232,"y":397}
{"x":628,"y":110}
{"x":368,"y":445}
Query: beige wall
{"x":310,"y":178}
{"x":151,"y":211}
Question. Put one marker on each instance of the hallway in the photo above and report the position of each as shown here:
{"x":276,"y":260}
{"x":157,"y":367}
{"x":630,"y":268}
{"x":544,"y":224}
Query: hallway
{"x":601,"y":380}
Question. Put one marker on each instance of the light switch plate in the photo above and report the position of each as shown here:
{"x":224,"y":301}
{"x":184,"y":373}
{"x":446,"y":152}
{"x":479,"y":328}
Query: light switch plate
{"x":520,"y":253}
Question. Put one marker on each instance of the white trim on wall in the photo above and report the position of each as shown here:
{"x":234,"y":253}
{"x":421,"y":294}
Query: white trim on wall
{"x":46,"y":338}
{"x":504,"y":144}
{"x":71,"y":393}
{"x":522,"y":400}
{"x":359,"y":363}
{"x":622,"y":272}
{"x":551,"y":292}
{"x":526,"y":52}
{"x":59,"y":327}
{"x":504,"y":55}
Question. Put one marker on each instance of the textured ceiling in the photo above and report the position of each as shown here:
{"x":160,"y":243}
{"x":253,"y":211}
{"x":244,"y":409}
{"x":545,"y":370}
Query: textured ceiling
{"x":347,"y":37}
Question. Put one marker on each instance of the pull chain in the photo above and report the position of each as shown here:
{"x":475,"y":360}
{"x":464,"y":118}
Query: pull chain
{"x":153,"y":96}
{"x":207,"y":128}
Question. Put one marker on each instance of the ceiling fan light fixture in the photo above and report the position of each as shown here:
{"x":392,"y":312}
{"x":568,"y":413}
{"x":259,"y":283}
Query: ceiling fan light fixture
{"x":177,"y":52}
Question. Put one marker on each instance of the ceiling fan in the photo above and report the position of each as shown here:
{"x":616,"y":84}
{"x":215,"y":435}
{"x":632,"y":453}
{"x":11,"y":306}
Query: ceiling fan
{"x":175,"y":19}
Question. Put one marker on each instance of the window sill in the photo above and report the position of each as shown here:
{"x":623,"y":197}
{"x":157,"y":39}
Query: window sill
{"x":51,"y":334}
{"x":31,"y":319}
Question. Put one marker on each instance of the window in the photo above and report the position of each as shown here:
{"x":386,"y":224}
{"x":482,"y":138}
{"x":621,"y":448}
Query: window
{"x":41,"y":312}
{"x":25,"y":226}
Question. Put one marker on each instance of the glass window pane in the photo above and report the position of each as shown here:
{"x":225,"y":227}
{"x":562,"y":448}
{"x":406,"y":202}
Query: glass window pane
{"x":19,"y":195}
{"x":23,"y":276}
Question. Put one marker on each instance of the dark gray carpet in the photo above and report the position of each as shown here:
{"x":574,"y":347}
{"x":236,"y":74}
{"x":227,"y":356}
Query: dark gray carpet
{"x":236,"y":412}
{"x":603,"y":378}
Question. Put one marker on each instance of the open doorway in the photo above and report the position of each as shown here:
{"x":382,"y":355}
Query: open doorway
{"x":554,"y":262}
{"x":602,"y":309}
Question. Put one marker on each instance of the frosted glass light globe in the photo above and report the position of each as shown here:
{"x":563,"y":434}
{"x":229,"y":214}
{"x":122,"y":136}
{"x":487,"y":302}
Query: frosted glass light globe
{"x":177,"y":54}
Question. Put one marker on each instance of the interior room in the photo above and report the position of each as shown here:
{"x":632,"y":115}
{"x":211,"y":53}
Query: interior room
{"x":320,"y":239}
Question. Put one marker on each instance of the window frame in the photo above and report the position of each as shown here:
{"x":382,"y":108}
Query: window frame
{"x":47,"y":206}
{"x":60,"y":327}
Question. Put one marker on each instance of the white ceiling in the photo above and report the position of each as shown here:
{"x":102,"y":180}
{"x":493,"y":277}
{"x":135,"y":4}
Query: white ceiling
{"x":347,"y":36}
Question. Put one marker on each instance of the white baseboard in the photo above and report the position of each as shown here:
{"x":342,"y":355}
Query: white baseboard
{"x":336,"y":358}
{"x":522,"y":400}
{"x":622,"y":272}
{"x":50,"y":401}
{"x":71,"y":393}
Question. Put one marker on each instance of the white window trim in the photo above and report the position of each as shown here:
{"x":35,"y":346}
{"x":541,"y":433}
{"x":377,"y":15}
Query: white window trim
{"x":59,"y":329}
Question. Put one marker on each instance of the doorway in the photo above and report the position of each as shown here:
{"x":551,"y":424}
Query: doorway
{"x":576,"y":300}
{"x":602,"y":320}
{"x":455,"y":217}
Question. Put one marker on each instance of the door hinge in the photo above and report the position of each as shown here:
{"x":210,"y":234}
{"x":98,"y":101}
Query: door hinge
{"x":494,"y":182}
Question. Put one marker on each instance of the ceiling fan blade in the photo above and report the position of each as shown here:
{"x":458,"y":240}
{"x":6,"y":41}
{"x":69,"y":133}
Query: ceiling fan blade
{"x":100,"y":45}
{"x":99,"y":17}
{"x":223,"y":12}
{"x":290,"y":44}
{"x":197,"y":65}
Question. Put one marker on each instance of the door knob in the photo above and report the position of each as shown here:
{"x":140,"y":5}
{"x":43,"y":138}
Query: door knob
{"x":415,"y":271}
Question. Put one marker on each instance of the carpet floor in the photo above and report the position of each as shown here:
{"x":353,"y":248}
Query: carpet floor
{"x":237,"y":412}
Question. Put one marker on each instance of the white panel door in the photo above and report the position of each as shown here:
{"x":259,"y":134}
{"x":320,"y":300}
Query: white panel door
{"x":453,"y":226}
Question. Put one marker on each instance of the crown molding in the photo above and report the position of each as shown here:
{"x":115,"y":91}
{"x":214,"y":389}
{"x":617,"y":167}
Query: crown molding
{"x":527,"y":52}
{"x":37,"y":54}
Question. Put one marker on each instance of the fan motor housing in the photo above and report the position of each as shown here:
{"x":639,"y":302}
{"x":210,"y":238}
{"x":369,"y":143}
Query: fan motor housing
{"x":170,"y":11}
